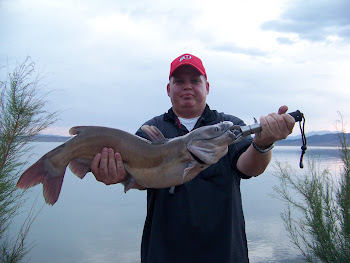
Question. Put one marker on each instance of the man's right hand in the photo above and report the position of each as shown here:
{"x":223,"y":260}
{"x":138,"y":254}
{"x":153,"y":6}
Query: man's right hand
{"x":108,"y":167}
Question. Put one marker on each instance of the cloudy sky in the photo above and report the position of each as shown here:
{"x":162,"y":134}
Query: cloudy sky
{"x":107,"y":61}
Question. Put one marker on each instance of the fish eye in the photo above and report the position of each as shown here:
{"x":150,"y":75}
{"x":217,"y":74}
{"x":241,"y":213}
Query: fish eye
{"x":217,"y":129}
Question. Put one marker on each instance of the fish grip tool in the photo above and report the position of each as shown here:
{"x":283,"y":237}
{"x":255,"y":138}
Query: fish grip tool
{"x":243,"y":131}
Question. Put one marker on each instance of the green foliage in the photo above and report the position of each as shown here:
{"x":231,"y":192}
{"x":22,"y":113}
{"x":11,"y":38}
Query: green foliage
{"x":22,"y":116}
{"x":317,"y":217}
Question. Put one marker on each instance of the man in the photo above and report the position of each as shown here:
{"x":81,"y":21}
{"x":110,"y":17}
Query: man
{"x":202,"y":220}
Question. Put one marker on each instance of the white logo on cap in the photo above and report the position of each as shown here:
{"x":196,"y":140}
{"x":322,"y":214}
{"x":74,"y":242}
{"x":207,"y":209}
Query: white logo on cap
{"x":185,"y":57}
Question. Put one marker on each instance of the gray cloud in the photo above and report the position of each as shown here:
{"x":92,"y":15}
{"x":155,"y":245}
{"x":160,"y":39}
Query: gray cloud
{"x":314,"y":20}
{"x":108,"y":59}
{"x":233,"y":48}
{"x":285,"y":41}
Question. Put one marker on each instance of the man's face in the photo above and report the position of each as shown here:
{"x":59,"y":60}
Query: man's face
{"x":188,"y":90}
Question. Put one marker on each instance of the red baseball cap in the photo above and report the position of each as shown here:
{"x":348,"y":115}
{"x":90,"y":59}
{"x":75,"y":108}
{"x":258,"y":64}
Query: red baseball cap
{"x":187,"y":59}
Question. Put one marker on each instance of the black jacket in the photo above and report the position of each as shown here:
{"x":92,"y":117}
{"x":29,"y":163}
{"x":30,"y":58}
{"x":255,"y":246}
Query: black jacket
{"x":203,"y":220}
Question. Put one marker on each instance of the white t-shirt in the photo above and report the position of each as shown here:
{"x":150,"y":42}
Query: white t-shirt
{"x":188,"y":123}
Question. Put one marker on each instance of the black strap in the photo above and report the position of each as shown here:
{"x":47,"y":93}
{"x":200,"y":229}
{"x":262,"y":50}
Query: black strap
{"x":303,"y":138}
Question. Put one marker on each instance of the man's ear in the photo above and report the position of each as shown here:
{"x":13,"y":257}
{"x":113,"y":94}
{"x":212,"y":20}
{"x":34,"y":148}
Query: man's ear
{"x":168,"y":89}
{"x":208,"y":87}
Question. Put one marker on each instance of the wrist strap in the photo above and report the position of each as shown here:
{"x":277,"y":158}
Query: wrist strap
{"x":269,"y":148}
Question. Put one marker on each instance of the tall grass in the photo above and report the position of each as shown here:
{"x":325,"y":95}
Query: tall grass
{"x":317,"y":216}
{"x":22,"y":116}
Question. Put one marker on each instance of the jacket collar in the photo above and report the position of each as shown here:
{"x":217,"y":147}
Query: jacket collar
{"x":207,"y":116}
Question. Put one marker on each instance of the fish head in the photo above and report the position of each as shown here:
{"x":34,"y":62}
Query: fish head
{"x":210,"y":143}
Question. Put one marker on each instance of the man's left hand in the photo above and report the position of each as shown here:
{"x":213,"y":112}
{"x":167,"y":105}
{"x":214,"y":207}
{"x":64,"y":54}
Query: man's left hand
{"x":275,"y":126}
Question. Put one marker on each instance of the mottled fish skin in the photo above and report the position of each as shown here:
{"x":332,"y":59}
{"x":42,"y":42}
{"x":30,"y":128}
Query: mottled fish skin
{"x":159,"y":163}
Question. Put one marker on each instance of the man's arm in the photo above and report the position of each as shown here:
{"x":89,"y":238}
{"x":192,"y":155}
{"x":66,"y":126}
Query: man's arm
{"x":275,"y":126}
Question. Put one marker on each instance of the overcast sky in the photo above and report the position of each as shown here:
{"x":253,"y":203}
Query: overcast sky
{"x":107,"y":61}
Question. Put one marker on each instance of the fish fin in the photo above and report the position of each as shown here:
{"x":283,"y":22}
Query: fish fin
{"x":129,"y":183}
{"x":187,"y":170}
{"x":76,"y":130}
{"x":207,"y":153}
{"x":44,"y":172}
{"x":52,"y":187}
{"x":80,"y":167}
{"x":154,"y":134}
{"x":172,"y":190}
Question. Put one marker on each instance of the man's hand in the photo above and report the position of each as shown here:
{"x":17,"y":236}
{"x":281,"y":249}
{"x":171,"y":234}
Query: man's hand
{"x":275,"y":126}
{"x":108,"y":167}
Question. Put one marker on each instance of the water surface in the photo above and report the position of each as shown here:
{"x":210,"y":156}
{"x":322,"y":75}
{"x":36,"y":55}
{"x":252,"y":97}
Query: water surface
{"x":93,"y":223}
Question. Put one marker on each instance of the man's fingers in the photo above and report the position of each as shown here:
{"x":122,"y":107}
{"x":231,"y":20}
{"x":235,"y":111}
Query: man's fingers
{"x":108,"y":167}
{"x":283,"y":109}
{"x":95,"y":164}
{"x":280,"y":123}
{"x":275,"y":126}
{"x":120,"y":167}
{"x":103,"y":170}
{"x":112,"y":169}
{"x":289,"y":120}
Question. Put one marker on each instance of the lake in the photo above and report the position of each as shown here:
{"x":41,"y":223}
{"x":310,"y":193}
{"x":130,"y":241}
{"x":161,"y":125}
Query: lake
{"x":93,"y":223}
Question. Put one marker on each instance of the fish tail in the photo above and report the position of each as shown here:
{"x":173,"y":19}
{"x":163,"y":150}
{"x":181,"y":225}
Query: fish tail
{"x":43,"y":171}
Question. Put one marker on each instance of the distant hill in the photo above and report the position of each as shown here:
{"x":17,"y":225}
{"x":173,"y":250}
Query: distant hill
{"x":309,"y":134}
{"x":330,"y":139}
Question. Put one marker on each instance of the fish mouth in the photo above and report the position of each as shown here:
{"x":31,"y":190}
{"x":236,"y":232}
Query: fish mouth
{"x":228,"y":130}
{"x":231,"y":133}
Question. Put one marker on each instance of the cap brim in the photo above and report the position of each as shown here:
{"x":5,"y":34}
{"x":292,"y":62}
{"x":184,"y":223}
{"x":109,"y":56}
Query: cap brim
{"x":190,"y":64}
